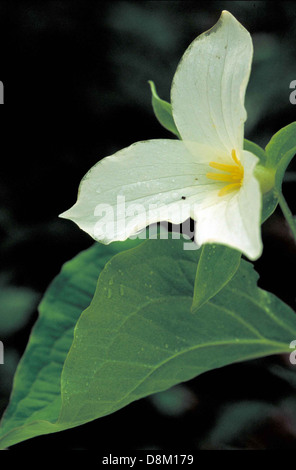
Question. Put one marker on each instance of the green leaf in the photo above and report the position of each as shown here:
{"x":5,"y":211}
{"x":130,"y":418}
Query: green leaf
{"x":139,"y":337}
{"x":16,"y":306}
{"x":280,"y":144}
{"x":282,"y":166}
{"x":270,"y":201}
{"x":216,"y":266}
{"x":35,"y":402}
{"x":256,"y":150}
{"x":279,"y":152}
{"x":163,"y":111}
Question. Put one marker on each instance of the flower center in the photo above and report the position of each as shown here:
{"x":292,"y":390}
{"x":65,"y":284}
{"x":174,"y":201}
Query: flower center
{"x":233,"y":174}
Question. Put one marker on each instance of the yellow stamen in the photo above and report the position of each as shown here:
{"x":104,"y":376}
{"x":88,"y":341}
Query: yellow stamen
{"x":220,"y":177}
{"x":233,"y":174}
{"x":229,"y":188}
{"x":234,"y":157}
{"x":222,"y":166}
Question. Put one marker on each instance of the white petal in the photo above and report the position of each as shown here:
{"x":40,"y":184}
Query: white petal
{"x":116,"y":195}
{"x":209,"y":86}
{"x":234,"y":219}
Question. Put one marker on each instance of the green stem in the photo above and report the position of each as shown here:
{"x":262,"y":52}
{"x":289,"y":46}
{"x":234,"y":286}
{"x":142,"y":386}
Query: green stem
{"x":288,"y":214}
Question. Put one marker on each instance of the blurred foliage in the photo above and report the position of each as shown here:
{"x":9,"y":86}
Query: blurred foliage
{"x":174,"y":402}
{"x":16,"y":306}
{"x":75,"y":77}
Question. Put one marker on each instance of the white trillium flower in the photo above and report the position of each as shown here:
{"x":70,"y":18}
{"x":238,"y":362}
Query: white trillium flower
{"x":206,"y":176}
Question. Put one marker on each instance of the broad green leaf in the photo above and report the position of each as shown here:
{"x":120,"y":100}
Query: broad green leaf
{"x":16,"y":306}
{"x":216,"y":266}
{"x":282,"y":166}
{"x":36,"y":397}
{"x":270,"y":201}
{"x":139,"y":336}
{"x":279,"y":151}
{"x":281,"y":143}
{"x":163,"y":111}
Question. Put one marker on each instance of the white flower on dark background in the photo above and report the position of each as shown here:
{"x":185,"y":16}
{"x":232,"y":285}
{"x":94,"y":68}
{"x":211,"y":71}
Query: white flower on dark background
{"x":207,"y":175}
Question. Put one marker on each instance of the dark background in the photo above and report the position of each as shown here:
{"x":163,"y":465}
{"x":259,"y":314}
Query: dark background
{"x":75,"y":84}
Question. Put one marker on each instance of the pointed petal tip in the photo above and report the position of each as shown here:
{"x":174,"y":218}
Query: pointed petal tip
{"x":254,"y":253}
{"x":222,"y":55}
{"x":226,"y":12}
{"x":62,"y":215}
{"x":226,"y":15}
{"x":66,"y":215}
